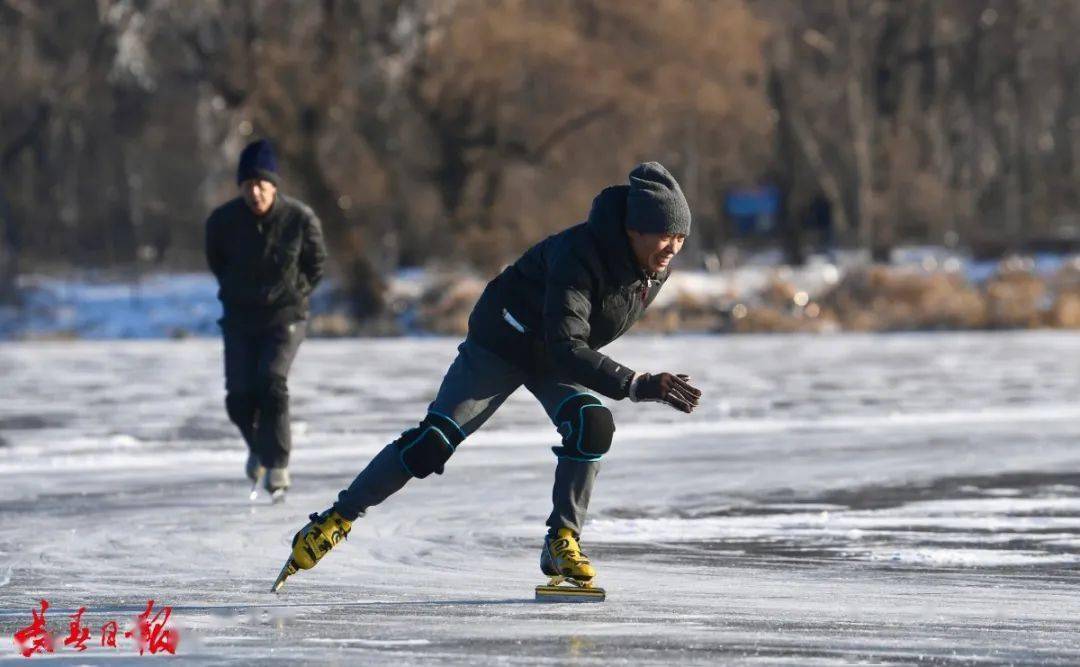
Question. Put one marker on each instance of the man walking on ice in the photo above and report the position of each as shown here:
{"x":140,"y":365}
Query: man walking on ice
{"x":540,"y":324}
{"x":266,"y":251}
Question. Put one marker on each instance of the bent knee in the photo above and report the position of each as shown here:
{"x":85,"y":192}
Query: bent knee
{"x":426,"y":448}
{"x":587,"y":428}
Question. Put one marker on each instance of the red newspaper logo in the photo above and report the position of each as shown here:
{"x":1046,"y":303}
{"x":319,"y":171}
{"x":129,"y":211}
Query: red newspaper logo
{"x":152,"y":635}
{"x":34,"y":638}
{"x":79,"y":634}
{"x":150,"y":632}
{"x":108,"y":633}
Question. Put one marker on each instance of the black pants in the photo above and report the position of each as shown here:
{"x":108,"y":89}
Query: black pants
{"x":256,"y":391}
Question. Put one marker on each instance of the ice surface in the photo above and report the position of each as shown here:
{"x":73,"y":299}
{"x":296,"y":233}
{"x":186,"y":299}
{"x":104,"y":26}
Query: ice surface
{"x":840,"y":499}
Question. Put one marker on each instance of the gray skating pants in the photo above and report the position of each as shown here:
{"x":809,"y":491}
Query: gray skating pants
{"x":477,"y":383}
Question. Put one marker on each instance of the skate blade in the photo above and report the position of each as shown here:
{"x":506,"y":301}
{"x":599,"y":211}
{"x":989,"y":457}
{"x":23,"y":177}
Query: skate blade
{"x":575,"y":592}
{"x":286,"y":572}
{"x":277,"y":496}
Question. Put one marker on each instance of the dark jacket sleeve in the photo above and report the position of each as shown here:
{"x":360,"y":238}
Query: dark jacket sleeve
{"x":312,"y":251}
{"x":215,"y":255}
{"x":567,"y":305}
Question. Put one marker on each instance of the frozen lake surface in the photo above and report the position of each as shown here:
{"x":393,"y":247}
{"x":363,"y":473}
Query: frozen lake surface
{"x":891,"y":500}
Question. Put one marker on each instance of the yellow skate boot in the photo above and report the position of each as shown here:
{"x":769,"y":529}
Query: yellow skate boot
{"x":562,"y":558}
{"x":563,"y":561}
{"x":322,"y":533}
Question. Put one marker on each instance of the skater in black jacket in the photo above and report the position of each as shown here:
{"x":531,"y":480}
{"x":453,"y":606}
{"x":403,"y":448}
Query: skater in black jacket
{"x":540,"y":324}
{"x":267,"y":253}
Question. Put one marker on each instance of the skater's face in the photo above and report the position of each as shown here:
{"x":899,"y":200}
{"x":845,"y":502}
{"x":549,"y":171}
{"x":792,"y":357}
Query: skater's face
{"x":654,"y":252}
{"x":258,"y":195}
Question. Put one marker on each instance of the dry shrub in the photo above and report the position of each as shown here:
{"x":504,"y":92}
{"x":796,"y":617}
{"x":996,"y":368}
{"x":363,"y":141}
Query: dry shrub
{"x":1065,"y":285}
{"x":1067,"y":278}
{"x":948,"y":301}
{"x":888,"y":299}
{"x":768,"y":319}
{"x":686,"y":312}
{"x":332,"y":325}
{"x":1065,"y":313}
{"x":663,"y":320}
{"x":445,"y":305}
{"x":779,"y":294}
{"x":1014,"y":300}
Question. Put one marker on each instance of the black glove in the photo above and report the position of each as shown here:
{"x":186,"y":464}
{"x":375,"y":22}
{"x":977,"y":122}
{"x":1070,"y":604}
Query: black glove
{"x":675,"y":390}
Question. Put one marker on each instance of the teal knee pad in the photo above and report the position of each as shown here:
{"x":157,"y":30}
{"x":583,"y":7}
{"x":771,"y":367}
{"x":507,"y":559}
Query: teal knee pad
{"x":426,"y":448}
{"x":586,"y":427}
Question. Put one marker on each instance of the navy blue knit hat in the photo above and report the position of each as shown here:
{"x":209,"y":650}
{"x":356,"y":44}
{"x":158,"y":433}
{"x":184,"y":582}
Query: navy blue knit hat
{"x":656,"y":204}
{"x":257,"y":160}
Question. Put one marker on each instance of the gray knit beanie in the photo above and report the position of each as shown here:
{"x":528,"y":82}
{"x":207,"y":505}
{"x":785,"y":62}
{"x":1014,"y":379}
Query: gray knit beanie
{"x":656,"y":204}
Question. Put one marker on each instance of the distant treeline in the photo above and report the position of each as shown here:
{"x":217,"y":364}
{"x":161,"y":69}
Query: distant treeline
{"x":459,"y":131}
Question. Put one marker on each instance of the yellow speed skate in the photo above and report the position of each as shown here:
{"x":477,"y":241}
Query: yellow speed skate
{"x":562,"y":560}
{"x":322,"y":533}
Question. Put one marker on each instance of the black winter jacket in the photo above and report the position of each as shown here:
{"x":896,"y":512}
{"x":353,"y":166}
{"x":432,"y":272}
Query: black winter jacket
{"x":572,"y":293}
{"x":265,"y":266}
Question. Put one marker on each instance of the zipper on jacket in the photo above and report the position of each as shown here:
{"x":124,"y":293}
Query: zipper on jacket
{"x":646,"y":288}
{"x":626,"y":318}
{"x":644,"y":294}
